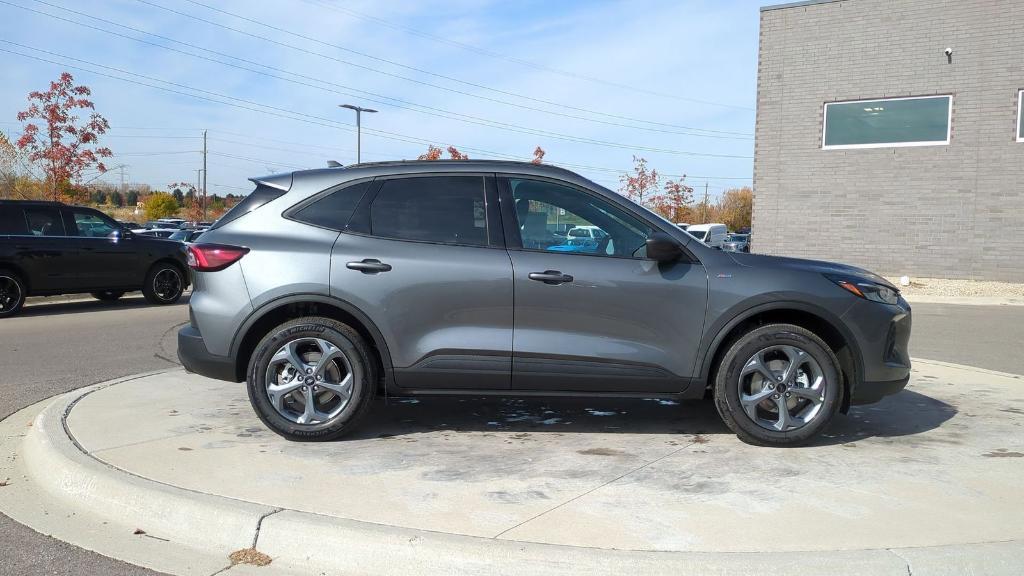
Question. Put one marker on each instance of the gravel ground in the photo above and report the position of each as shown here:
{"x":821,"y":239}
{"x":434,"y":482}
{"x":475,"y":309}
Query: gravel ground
{"x":948,"y":287}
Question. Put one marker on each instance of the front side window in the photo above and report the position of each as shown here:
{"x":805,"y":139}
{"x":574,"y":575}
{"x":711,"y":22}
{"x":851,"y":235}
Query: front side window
{"x":44,"y":222}
{"x":92,"y":225}
{"x":599,"y":227}
{"x":443,"y":209}
{"x":893,"y":122}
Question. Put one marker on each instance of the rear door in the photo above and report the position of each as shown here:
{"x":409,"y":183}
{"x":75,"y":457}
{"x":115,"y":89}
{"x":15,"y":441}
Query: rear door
{"x":104,"y":260}
{"x":596,"y":316}
{"x":423,"y":256}
{"x":45,"y":251}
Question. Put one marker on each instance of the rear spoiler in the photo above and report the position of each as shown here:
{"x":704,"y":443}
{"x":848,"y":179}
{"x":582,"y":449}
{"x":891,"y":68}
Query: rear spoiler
{"x":279,"y":181}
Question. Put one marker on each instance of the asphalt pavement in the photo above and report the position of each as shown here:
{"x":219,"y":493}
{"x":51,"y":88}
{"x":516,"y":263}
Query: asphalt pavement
{"x":55,"y":347}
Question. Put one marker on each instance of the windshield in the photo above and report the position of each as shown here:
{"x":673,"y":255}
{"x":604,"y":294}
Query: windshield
{"x":579,"y":233}
{"x":698,"y":234}
{"x":180,"y":235}
{"x":738,"y":238}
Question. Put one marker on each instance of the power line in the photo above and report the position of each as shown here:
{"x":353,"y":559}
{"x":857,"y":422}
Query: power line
{"x":367,"y":95}
{"x":414,"y":80}
{"x":521,"y":61}
{"x":373,"y":131}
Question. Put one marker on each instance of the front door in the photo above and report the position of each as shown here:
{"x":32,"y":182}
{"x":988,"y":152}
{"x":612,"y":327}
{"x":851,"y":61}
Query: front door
{"x":424,"y":258}
{"x":596,"y":315}
{"x":105,"y":260}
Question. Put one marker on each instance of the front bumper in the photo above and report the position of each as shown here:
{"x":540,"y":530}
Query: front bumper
{"x":882,"y":332}
{"x":196,"y":358}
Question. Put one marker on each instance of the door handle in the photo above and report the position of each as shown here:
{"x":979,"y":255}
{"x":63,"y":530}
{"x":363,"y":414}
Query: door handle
{"x":550,"y":277}
{"x":369,"y":266}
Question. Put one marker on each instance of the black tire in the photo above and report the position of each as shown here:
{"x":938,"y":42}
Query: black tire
{"x":156,"y":288}
{"x":108,"y":295}
{"x":358,"y":356}
{"x":12,"y":293}
{"x":727,"y":384}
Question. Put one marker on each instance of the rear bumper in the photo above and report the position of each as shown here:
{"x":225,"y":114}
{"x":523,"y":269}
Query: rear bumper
{"x":196,"y":358}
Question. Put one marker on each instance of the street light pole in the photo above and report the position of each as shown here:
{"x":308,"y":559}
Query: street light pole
{"x":359,"y":130}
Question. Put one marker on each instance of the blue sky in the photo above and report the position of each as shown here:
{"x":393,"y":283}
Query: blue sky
{"x":591,"y":82}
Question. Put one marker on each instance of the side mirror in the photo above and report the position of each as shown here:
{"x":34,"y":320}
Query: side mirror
{"x":663,"y":248}
{"x":122,"y":234}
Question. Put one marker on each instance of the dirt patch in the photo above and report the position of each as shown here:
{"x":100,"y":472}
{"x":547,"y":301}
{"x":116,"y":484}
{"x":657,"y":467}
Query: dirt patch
{"x":249,"y":556}
{"x":600,"y":452}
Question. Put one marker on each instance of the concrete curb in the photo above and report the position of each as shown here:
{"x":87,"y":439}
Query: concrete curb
{"x":968,"y":368}
{"x":191,"y":524}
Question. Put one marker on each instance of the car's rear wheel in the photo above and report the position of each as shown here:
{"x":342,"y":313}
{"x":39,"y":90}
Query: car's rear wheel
{"x":165,"y":283}
{"x":778,"y":385}
{"x":311,"y":379}
{"x":108,"y":295}
{"x":12,"y":293}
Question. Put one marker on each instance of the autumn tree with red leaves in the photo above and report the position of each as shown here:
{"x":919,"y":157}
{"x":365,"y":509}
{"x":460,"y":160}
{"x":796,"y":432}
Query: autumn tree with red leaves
{"x":642,"y":184}
{"x":65,"y":147}
{"x":538,"y":156}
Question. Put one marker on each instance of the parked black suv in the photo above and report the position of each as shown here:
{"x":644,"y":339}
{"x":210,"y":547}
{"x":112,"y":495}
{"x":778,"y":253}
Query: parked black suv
{"x":49,"y":248}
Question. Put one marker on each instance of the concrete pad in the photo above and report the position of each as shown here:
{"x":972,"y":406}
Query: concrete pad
{"x":930,"y":478}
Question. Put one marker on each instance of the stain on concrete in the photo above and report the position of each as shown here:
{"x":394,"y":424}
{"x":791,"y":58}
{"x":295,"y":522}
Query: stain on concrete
{"x":600,"y":452}
{"x":1003,"y":453}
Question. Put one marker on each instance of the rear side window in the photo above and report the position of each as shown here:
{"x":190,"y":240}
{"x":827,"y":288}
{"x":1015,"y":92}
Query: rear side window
{"x":444,"y":209}
{"x":12,"y":221}
{"x":258,"y":197}
{"x":44,"y":222}
{"x":334,"y":210}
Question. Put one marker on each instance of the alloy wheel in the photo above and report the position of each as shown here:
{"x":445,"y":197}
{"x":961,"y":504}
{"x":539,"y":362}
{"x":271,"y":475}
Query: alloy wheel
{"x":309,"y":381}
{"x":167,"y":284}
{"x":10,"y":293}
{"x":782,"y":388}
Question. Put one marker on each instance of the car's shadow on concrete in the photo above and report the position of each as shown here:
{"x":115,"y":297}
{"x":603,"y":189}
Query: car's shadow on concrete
{"x":60,"y":308}
{"x":905,"y":414}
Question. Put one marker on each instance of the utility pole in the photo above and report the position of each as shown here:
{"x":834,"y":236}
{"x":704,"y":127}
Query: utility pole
{"x":204,"y":176}
{"x":122,"y":178}
{"x":359,"y":128}
{"x":704,"y":205}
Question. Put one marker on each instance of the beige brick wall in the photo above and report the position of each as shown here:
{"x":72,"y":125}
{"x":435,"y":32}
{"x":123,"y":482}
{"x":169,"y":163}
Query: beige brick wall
{"x":951,"y":211}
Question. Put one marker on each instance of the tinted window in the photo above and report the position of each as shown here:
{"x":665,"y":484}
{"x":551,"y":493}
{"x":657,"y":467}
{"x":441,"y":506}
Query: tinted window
{"x":604,"y":229}
{"x":894,"y":122}
{"x":182,"y":235}
{"x":44,"y":222}
{"x":92,"y":225}
{"x":334,"y":210}
{"x":258,"y":197}
{"x":448,"y":209}
{"x":12,"y":220}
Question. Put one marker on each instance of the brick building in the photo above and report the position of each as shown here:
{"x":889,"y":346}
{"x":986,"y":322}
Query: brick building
{"x":890,"y":135}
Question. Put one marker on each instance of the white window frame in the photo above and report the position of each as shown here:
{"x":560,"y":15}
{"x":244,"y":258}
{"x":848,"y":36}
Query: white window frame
{"x":824,"y":124}
{"x":1020,"y":110}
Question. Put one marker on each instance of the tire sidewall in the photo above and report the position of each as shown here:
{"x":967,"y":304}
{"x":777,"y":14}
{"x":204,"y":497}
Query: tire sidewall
{"x":727,"y":391}
{"x":21,"y":294}
{"x":257,"y":381}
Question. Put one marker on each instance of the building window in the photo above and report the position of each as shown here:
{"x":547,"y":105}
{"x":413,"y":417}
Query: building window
{"x":1020,"y":116}
{"x":885,"y":123}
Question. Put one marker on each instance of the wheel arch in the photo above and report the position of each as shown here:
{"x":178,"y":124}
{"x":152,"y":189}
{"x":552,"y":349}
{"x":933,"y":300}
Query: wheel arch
{"x":821,"y":322}
{"x":280,"y":310}
{"x":20,"y":273}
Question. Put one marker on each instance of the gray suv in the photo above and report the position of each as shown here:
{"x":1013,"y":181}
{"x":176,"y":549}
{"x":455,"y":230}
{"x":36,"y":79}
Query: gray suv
{"x":324,"y":288}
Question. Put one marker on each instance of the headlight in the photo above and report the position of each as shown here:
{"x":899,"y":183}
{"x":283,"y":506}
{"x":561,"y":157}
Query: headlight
{"x":867,"y":290}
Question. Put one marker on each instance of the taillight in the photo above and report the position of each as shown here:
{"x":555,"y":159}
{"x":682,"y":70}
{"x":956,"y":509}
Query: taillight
{"x":213,"y":257}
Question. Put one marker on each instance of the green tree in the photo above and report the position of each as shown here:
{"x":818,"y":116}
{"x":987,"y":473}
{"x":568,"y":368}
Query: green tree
{"x":131,"y":198}
{"x":116,"y":199}
{"x":160,"y":205}
{"x":179,"y":197}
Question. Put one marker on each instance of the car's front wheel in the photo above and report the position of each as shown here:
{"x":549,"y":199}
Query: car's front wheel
{"x":311,"y":379}
{"x":165,"y":283}
{"x":778,"y":385}
{"x":12,"y":293}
